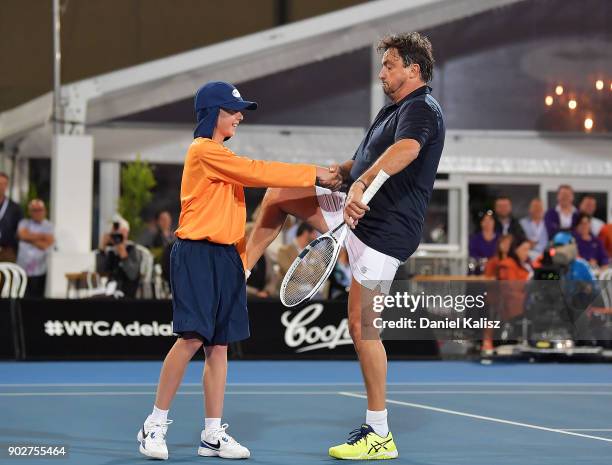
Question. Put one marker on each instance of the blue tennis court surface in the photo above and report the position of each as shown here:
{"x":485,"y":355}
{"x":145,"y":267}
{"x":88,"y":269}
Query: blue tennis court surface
{"x":291,"y":412}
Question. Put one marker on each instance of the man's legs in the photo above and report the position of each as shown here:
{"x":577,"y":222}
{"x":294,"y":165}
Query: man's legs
{"x":300,"y":202}
{"x":371,"y":352}
{"x":373,"y":440}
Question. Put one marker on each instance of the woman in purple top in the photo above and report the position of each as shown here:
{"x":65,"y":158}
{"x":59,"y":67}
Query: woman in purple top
{"x":590,"y":248}
{"x":483,"y":243}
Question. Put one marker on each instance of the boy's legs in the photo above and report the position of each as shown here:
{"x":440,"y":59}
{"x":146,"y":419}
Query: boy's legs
{"x":215,"y":375}
{"x":173,"y":370}
{"x":214,"y":441}
{"x":152,"y":435}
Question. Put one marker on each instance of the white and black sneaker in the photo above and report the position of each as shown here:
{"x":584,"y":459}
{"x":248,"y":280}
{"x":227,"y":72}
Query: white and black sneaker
{"x":217,"y":443}
{"x":152,"y":439}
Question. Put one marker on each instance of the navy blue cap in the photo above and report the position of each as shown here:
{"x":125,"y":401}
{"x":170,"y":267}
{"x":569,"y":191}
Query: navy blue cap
{"x":210,"y":98}
{"x":223,"y":95}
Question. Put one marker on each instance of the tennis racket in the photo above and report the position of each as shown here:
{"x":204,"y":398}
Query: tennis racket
{"x":314,"y":264}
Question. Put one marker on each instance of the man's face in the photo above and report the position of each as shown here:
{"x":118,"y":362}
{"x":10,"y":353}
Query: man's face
{"x":37,"y":211}
{"x":306,"y":238}
{"x":3,"y":186}
{"x":536,"y":210}
{"x":394,"y":74}
{"x":503,"y":208}
{"x":164,"y":220}
{"x":312,"y":235}
{"x":588,"y":205}
{"x":565,"y":197}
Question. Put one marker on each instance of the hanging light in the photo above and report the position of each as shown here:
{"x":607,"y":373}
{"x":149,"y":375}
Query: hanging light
{"x":588,"y":124}
{"x":572,"y":104}
{"x":559,"y":90}
{"x":548,"y":100}
{"x":599,"y":84}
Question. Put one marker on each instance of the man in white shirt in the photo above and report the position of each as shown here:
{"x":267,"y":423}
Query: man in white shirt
{"x":535,"y":229}
{"x":564,"y":216}
{"x":35,"y":240}
{"x":588,"y":205}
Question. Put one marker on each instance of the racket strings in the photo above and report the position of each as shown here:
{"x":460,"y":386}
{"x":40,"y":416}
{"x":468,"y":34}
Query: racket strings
{"x":309,"y":271}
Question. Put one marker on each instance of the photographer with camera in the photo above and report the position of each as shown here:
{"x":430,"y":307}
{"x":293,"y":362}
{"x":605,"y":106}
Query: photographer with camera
{"x":118,"y":258}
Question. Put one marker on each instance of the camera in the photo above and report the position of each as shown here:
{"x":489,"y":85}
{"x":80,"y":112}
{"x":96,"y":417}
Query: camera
{"x":116,"y":238}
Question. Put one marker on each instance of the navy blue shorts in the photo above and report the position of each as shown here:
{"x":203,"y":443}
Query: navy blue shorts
{"x":208,"y":292}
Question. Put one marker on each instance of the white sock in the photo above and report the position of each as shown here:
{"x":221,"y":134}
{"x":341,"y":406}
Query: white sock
{"x":377,"y":419}
{"x":212,"y":423}
{"x":158,"y":415}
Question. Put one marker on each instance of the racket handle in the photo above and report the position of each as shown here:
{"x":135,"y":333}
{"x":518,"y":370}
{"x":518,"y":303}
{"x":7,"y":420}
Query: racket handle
{"x":372,"y":189}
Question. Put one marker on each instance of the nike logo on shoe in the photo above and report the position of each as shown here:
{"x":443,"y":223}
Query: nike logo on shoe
{"x":211,"y":446}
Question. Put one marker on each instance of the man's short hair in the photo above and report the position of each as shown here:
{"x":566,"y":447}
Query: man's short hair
{"x":123,"y":223}
{"x":4,"y":175}
{"x":565,"y":186}
{"x":36,"y":203}
{"x":413,"y":48}
{"x":303,"y":227}
{"x":503,"y":197}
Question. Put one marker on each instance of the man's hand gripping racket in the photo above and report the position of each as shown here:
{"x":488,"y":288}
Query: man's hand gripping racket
{"x":315,"y":263}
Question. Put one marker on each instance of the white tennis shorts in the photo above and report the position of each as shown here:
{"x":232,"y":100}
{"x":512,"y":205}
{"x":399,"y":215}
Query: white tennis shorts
{"x":369,"y":267}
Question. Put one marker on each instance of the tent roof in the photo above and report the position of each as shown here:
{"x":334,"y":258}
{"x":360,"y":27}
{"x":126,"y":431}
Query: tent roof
{"x":138,"y":88}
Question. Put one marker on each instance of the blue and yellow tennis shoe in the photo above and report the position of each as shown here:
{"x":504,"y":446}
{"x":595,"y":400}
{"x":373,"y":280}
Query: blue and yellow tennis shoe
{"x":365,"y":444}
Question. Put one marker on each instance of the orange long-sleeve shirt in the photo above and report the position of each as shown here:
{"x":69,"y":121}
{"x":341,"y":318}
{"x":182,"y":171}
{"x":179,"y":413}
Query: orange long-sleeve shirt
{"x":212,"y":194}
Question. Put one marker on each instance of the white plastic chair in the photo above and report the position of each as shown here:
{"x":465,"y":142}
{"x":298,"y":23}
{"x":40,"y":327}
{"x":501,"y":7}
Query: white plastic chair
{"x":6,"y":281}
{"x":14,"y":281}
{"x":20,"y":281}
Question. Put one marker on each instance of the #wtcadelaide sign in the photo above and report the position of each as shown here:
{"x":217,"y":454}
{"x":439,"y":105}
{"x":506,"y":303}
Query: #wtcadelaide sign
{"x":142,"y":329}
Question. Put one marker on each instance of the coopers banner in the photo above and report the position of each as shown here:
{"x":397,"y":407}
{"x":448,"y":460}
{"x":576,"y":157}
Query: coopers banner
{"x":142,"y":329}
{"x":313,"y":330}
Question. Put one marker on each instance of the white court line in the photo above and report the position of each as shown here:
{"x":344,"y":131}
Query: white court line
{"x":150,"y":393}
{"x":565,"y":393}
{"x":443,"y":383}
{"x":586,"y":429}
{"x":187,"y":393}
{"x":480,"y":417}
